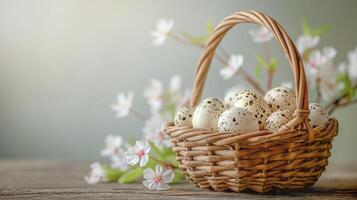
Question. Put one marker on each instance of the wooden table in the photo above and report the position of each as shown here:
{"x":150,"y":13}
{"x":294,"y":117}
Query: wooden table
{"x":64,"y":180}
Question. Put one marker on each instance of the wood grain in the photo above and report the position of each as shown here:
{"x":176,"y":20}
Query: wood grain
{"x":64,"y":180}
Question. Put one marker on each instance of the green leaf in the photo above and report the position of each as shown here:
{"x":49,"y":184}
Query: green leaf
{"x":167,"y":151}
{"x":273,"y":64}
{"x":307,"y":30}
{"x":257,"y":71}
{"x":348,"y":88}
{"x":311,"y":31}
{"x":151,"y":164}
{"x":111,"y":173}
{"x":318,"y":31}
{"x":261,"y":61}
{"x":131,"y":175}
{"x":178,"y":176}
{"x":171,"y":158}
{"x":209,"y":27}
{"x":154,"y":149}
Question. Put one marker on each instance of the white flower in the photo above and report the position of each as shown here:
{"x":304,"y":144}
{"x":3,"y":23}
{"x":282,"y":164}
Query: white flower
{"x":113,"y":149}
{"x":352,"y":67}
{"x":112,"y":145}
{"x":320,"y":63}
{"x":175,"y":84}
{"x":96,"y":174}
{"x":154,"y":94}
{"x":138,"y":154}
{"x":119,"y":161}
{"x":329,"y":89}
{"x":123,"y":104}
{"x":159,"y":179}
{"x":174,"y":89}
{"x":287,"y":84}
{"x":153,"y":131}
{"x":163,"y":28}
{"x":261,"y":34}
{"x":234,"y":64}
{"x":306,"y":42}
{"x":321,"y":67}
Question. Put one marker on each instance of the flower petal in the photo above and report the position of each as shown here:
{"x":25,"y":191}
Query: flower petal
{"x":162,"y":186}
{"x":226,"y":73}
{"x":240,"y":60}
{"x":158,"y":170}
{"x":159,"y":40}
{"x":132,"y":160}
{"x":148,"y":174}
{"x":139,"y":145}
{"x":175,"y":83}
{"x":167,"y":176}
{"x":144,"y":160}
{"x":147,"y":182}
{"x":147,"y":148}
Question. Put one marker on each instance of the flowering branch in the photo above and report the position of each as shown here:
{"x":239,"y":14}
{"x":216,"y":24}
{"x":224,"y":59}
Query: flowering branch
{"x":341,"y":101}
{"x":222,"y":59}
{"x":152,"y":156}
{"x":249,"y":79}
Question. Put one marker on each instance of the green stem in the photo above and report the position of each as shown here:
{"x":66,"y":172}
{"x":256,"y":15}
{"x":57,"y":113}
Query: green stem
{"x":270,"y":72}
{"x":163,"y":163}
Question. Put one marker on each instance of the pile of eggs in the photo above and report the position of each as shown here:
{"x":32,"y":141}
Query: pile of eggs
{"x":248,"y":111}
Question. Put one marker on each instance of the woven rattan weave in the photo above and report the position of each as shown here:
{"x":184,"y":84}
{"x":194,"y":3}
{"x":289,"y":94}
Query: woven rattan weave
{"x":293,"y":157}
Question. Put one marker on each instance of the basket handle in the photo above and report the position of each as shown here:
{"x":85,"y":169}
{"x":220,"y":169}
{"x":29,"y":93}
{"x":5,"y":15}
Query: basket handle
{"x":292,"y":54}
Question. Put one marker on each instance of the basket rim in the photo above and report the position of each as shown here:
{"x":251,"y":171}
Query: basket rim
{"x":178,"y":134}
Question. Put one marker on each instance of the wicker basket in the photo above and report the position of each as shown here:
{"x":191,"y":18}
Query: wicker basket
{"x":293,"y":157}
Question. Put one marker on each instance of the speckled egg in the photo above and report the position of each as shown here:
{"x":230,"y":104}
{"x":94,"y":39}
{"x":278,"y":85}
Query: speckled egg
{"x":277,"y":119}
{"x":230,"y":96}
{"x":207,"y":113}
{"x":281,"y":98}
{"x":183,"y":116}
{"x":237,"y":120}
{"x":255,"y":104}
{"x":318,"y":116}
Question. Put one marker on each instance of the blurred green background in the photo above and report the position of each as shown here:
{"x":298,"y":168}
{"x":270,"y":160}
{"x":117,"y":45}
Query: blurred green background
{"x":63,"y":62}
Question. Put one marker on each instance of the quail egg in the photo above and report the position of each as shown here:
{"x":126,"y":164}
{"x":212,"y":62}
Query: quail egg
{"x":207,"y":113}
{"x":277,"y":119}
{"x":237,"y":120}
{"x":318,"y":116}
{"x":183,"y":116}
{"x":231,"y":95}
{"x":255,"y":104}
{"x":281,"y":98}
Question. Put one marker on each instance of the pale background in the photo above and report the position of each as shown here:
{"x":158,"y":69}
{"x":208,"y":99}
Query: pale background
{"x":63,"y":62}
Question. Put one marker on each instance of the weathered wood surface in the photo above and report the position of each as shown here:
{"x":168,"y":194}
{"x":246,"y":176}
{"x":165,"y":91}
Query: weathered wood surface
{"x":64,"y":180}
